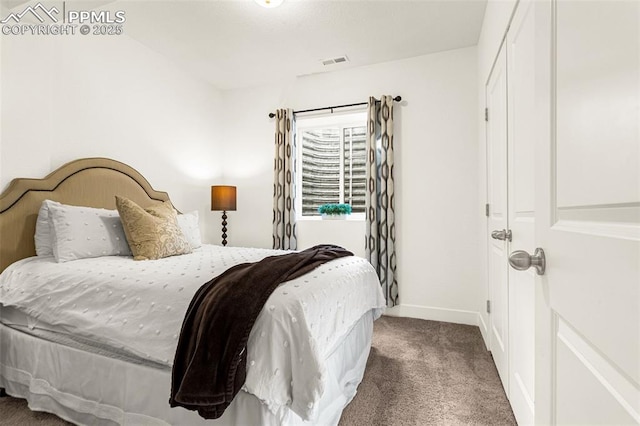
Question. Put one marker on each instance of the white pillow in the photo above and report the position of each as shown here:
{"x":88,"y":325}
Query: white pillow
{"x":188,"y":223}
{"x":43,"y":237}
{"x":81,"y":232}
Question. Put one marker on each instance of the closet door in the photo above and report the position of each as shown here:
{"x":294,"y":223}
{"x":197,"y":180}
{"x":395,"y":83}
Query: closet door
{"x":521,"y":208}
{"x":496,"y":96}
{"x":588,"y":215}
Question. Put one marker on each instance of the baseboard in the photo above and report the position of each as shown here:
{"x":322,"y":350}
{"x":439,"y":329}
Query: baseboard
{"x":484,"y":331}
{"x":434,"y":314}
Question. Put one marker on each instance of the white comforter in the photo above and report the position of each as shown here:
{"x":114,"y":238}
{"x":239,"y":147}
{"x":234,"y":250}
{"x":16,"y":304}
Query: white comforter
{"x":138,"y":307}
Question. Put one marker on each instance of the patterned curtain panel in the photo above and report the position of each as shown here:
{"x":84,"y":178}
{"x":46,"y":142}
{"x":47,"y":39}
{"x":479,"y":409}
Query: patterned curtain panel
{"x":380,"y":241}
{"x":284,"y":190}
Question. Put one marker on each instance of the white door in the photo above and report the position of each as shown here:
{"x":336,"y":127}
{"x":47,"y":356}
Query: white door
{"x":521,"y":207}
{"x":496,"y":96}
{"x":588,"y":212}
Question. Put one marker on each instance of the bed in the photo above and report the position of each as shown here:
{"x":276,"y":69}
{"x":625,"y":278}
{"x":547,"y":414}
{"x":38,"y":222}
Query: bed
{"x":92,"y":340}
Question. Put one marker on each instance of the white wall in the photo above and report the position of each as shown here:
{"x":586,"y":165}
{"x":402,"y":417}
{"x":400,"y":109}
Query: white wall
{"x":497,"y":16}
{"x":1,"y":124}
{"x":436,"y":170}
{"x":65,"y":98}
{"x":69,"y":97}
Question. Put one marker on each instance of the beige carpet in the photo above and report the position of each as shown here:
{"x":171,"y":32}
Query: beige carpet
{"x":15,"y":412}
{"x":428,"y":373}
{"x":419,"y":373}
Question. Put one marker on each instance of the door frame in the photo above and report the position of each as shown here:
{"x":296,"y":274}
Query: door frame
{"x":545,"y":323}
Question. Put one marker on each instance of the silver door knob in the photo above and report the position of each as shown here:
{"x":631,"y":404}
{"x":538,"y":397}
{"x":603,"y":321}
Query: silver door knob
{"x":521,"y":260}
{"x":505,"y":234}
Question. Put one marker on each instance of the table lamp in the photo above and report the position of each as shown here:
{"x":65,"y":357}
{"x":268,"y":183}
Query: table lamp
{"x":223,"y":198}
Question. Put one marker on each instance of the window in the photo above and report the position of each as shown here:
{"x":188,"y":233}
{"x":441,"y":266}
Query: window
{"x":332,"y":159}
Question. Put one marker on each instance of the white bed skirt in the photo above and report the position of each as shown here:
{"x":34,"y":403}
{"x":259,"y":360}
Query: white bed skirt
{"x":87,"y":388}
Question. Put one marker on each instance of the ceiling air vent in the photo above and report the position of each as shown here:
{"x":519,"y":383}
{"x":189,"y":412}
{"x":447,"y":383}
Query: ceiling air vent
{"x":337,"y":60}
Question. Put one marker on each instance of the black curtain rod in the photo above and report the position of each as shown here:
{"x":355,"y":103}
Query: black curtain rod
{"x":271,"y":114}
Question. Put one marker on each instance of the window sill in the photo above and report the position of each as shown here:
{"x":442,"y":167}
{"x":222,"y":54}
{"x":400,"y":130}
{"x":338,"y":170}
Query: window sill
{"x":350,"y":218}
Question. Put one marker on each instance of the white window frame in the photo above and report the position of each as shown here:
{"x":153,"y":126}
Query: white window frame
{"x":352,"y":118}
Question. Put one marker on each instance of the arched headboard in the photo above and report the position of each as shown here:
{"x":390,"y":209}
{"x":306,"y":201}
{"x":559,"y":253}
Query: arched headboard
{"x":92,"y":182}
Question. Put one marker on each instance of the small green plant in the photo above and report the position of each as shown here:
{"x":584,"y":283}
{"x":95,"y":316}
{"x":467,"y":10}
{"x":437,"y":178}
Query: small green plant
{"x":334,"y":209}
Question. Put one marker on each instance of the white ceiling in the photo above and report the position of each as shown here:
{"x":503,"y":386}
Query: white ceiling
{"x":237,"y":43}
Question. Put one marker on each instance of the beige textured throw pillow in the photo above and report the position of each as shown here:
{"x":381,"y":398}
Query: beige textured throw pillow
{"x":152,"y":233}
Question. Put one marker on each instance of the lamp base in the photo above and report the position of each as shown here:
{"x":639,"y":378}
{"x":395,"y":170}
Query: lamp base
{"x":224,"y":228}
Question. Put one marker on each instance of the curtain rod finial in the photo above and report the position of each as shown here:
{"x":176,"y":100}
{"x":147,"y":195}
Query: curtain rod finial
{"x":397,"y":98}
{"x":271,"y":115}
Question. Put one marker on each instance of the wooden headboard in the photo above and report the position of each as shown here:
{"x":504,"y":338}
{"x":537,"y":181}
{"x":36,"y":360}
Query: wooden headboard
{"x":92,"y":182}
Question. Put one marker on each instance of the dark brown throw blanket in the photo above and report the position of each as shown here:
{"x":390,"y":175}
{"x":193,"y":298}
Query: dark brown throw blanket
{"x":210,"y":362}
